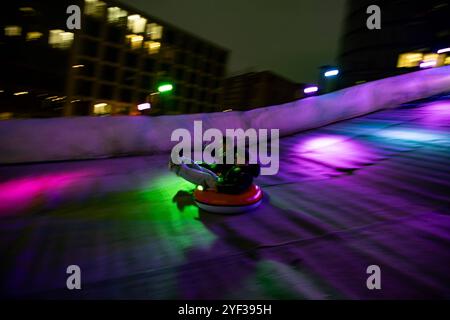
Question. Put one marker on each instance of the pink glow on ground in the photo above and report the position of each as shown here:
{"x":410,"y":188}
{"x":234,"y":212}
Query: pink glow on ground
{"x":435,"y":114}
{"x":321,"y":142}
{"x":21,"y":194}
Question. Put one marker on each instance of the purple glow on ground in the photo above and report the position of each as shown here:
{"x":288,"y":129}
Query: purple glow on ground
{"x":335,"y":151}
{"x":320,"y":143}
{"x":435,"y":114}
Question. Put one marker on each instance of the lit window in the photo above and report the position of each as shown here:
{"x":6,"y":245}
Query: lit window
{"x":115,"y":14}
{"x":6,"y":115}
{"x":136,"y":23}
{"x":13,"y":31}
{"x":94,"y":8}
{"x":155,"y":31}
{"x":26,"y":9}
{"x":21,"y":93}
{"x":60,"y":39}
{"x":135,"y":41}
{"x":409,"y":60}
{"x":430,"y":57}
{"x":34,"y":35}
{"x":152,"y":46}
{"x":447,"y":61}
{"x":102,"y":108}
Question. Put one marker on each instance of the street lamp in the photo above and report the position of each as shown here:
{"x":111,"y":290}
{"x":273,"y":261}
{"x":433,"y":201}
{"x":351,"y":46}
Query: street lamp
{"x":428,"y":64}
{"x":328,"y":80}
{"x":311,"y":89}
{"x":144,"y":106}
{"x":166,"y":87}
{"x":440,"y":51}
{"x":331,"y":73}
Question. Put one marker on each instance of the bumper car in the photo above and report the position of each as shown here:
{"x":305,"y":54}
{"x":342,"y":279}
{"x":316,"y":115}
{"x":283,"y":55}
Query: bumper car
{"x":213,"y":201}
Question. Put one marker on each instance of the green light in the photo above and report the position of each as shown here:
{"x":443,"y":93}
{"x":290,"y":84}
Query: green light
{"x":200,"y":188}
{"x":165,"y":88}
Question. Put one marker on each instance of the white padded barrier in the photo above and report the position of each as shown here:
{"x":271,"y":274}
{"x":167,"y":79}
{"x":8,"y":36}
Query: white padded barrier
{"x":35,"y":140}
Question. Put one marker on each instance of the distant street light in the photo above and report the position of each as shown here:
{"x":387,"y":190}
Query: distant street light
{"x":165,"y":87}
{"x":144,"y":106}
{"x":428,"y":64}
{"x":331,"y":73}
{"x":443,"y":50}
{"x":311,"y":89}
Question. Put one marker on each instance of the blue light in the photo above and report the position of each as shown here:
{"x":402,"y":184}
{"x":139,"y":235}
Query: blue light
{"x":331,"y":73}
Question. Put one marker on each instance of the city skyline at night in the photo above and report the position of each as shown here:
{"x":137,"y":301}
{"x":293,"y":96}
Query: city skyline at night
{"x":213,"y":157}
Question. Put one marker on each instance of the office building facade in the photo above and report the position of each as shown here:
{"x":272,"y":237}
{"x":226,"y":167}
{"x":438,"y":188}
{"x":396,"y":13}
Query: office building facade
{"x":113,"y":63}
{"x":411,"y":35}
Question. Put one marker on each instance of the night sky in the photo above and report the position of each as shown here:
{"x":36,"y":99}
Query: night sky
{"x":291,"y":37}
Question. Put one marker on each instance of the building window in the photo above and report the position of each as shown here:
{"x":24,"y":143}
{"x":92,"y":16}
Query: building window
{"x":131,"y":60}
{"x":154,"y":30}
{"x":27,"y":10}
{"x":128,"y":77}
{"x":135,"y":41}
{"x":34,"y":35}
{"x":89,"y":48}
{"x":179,"y":74}
{"x":152,"y":47}
{"x":94,"y":8}
{"x":106,"y":92}
{"x":180,"y":57}
{"x":188,"y":107}
{"x":193,"y":77}
{"x":190,"y":93}
{"x":13,"y":31}
{"x":111,"y":54}
{"x":109,"y":73}
{"x":178,"y":89}
{"x":409,"y":60}
{"x":102,"y":109}
{"x":86,"y":68}
{"x":60,"y":39}
{"x":126,"y":95}
{"x":149,"y":64}
{"x":136,"y":23}
{"x":115,"y":34}
{"x":92,"y":27}
{"x":430,"y":57}
{"x":116,"y":15}
{"x":84,"y":88}
{"x":146,"y":82}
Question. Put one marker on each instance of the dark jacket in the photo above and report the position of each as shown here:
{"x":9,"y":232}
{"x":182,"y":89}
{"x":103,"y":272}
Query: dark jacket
{"x":234,"y":178}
